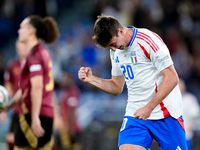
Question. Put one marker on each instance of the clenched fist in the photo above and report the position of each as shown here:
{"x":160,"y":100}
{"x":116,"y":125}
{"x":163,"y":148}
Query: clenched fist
{"x":85,"y":74}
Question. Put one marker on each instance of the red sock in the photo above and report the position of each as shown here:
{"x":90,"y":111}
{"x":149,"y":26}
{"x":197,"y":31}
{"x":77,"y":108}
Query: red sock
{"x":10,"y":145}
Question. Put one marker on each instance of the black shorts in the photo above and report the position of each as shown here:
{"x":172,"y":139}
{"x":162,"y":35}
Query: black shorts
{"x":24,"y":137}
{"x":14,"y":119}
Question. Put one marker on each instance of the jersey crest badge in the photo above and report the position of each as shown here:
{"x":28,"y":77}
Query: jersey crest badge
{"x":134,"y":57}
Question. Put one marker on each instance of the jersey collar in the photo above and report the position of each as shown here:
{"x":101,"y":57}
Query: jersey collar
{"x":133,"y":36}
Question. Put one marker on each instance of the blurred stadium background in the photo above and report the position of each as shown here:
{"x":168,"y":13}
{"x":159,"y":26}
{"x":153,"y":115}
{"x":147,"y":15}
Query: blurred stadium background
{"x":100,"y":115}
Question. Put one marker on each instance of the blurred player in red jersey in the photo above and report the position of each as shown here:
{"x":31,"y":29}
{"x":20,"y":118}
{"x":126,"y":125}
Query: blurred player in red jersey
{"x":34,"y":130}
{"x":11,"y":79}
{"x":68,"y":103}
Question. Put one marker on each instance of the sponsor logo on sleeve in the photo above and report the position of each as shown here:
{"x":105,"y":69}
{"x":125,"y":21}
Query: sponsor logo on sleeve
{"x":163,"y":59}
{"x":35,"y":68}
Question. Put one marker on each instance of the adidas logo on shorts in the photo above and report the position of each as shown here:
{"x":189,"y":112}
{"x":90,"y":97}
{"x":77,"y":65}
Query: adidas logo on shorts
{"x":178,"y":148}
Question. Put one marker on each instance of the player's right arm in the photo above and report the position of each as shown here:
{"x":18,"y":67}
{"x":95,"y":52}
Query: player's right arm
{"x":16,"y":99}
{"x":112,"y":86}
{"x":8,"y":79}
{"x":10,"y":88}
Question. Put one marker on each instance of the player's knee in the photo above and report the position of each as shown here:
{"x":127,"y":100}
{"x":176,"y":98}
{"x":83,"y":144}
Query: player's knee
{"x":131,"y":147}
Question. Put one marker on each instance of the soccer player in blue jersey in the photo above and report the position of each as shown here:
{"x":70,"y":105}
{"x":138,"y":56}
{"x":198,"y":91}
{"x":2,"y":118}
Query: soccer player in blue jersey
{"x":140,"y":58}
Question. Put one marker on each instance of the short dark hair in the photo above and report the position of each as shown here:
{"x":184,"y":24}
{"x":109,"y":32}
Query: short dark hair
{"x":46,"y":28}
{"x":105,"y":28}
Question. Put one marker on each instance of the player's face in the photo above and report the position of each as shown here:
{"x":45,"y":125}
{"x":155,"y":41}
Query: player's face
{"x":118,"y":42}
{"x":24,"y":30}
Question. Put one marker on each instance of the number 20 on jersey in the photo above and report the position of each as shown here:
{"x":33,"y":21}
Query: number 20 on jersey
{"x":128,"y":72}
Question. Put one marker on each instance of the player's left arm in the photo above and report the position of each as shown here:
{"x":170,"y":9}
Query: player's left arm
{"x":36,"y":102}
{"x":170,"y":81}
{"x":160,"y":56}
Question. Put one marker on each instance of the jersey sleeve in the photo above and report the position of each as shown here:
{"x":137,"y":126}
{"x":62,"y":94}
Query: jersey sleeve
{"x":115,"y":71}
{"x":35,"y":65}
{"x":159,"y":53}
